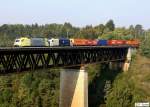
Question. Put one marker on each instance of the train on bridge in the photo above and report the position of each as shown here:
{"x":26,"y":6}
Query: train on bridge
{"x":55,"y":42}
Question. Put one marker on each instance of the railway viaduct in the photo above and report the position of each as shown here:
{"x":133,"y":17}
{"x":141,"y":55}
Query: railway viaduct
{"x":73,"y":60}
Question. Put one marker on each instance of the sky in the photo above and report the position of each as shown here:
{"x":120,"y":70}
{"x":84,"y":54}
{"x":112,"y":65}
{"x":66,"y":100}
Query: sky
{"x":78,"y":12}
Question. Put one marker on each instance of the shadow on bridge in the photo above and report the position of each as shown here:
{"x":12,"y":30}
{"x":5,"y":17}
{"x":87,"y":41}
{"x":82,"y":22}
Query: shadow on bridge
{"x":101,"y":85}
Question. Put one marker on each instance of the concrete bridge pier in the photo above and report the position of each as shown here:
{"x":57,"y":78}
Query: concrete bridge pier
{"x":110,"y":65}
{"x":123,"y":65}
{"x":127,"y":61}
{"x":74,"y":87}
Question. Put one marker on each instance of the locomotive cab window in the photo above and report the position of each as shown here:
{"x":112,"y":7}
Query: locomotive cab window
{"x":17,"y":40}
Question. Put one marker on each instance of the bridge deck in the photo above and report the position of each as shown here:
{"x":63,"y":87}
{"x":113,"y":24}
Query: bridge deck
{"x":19,"y":59}
{"x":59,"y":48}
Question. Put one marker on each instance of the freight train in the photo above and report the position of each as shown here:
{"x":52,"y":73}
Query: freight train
{"x":53,"y":42}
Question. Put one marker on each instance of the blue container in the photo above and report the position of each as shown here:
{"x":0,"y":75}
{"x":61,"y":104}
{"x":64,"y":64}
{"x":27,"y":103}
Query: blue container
{"x":64,"y":42}
{"x":102,"y":42}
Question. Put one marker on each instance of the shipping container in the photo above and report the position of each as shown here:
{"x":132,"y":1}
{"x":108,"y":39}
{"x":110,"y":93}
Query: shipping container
{"x":116,"y":42}
{"x":64,"y":42}
{"x":39,"y":42}
{"x":53,"y":42}
{"x":78,"y":42}
{"x":111,"y":42}
{"x":83,"y":42}
{"x":91,"y":42}
{"x":102,"y":42}
{"x":133,"y":43}
{"x":121,"y":42}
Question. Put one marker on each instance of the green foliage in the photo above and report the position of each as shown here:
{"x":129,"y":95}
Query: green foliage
{"x":124,"y":93}
{"x":27,"y":79}
{"x":88,"y":32}
{"x":138,"y":30}
{"x":117,"y":34}
{"x":121,"y":95}
{"x":110,"y":25}
{"x":132,"y":86}
{"x":35,"y":30}
{"x":99,"y":29}
{"x":145,"y":45}
{"x":93,"y":70}
{"x":6,"y":40}
{"x":107,"y":36}
{"x":108,"y":31}
{"x":36,"y":89}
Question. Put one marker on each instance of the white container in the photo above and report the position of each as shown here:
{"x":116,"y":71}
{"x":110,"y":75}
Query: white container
{"x":53,"y":42}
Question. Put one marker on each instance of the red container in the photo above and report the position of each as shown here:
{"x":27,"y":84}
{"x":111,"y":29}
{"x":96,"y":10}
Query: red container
{"x":83,"y":42}
{"x":79,"y":42}
{"x":128,"y":42}
{"x":134,"y":43}
{"x":111,"y":42}
{"x":91,"y":42}
{"x":121,"y":42}
{"x":116,"y":42}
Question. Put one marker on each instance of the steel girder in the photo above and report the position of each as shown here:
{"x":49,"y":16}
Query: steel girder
{"x":21,"y":59}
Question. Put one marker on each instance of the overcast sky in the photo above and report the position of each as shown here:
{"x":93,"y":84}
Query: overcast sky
{"x":77,"y":12}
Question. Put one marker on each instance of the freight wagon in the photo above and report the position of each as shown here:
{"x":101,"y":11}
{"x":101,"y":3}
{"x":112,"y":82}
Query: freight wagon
{"x":34,"y":42}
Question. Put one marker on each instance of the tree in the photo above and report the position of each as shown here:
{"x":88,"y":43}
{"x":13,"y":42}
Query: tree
{"x":110,"y":25}
{"x":132,"y":30}
{"x":121,"y":94}
{"x":100,"y":29}
{"x":68,"y":28}
{"x":138,"y":30}
{"x":87,"y":32}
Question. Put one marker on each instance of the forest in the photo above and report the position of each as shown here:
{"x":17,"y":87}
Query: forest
{"x":41,"y":88}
